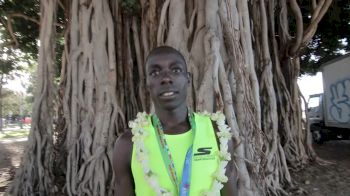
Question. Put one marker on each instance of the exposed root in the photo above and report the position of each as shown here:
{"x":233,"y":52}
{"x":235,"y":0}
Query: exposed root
{"x":245,"y":72}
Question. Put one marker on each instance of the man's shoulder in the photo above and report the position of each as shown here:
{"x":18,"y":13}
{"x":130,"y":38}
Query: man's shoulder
{"x":125,"y":137}
{"x":123,"y":145}
{"x":123,"y":148}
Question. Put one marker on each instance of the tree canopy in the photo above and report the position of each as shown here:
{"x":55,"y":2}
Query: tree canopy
{"x":331,"y":39}
{"x":13,"y":102}
{"x":19,"y":27}
{"x":19,"y":32}
{"x":244,"y":60}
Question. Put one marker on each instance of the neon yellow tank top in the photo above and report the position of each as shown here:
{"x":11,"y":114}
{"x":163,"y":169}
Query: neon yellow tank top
{"x":204,"y":159}
{"x":178,"y":146}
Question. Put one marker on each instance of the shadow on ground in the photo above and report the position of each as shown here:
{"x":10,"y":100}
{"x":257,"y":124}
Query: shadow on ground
{"x":317,"y":180}
{"x":331,"y":179}
{"x":10,"y":158}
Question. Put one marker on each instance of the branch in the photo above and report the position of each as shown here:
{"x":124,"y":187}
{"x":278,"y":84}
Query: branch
{"x":191,"y":26}
{"x":161,"y":27}
{"x":283,"y":18}
{"x":299,"y":24}
{"x":20,"y":15}
{"x":311,"y":29}
{"x":316,"y":9}
{"x":9,"y":28}
{"x":314,"y":4}
{"x":6,"y":44}
{"x":61,"y":4}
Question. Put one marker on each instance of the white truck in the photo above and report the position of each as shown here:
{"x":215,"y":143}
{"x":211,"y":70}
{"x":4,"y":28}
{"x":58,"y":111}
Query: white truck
{"x":329,"y":112}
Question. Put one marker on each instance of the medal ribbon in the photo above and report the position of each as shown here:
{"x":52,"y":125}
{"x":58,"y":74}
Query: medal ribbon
{"x":183,"y":188}
{"x":186,"y":174}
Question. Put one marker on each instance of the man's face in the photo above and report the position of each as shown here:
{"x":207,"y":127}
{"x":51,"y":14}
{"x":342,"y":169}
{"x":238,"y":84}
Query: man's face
{"x":167,"y":80}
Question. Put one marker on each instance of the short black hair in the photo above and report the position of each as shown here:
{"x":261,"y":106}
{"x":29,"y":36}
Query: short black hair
{"x":165,"y":50}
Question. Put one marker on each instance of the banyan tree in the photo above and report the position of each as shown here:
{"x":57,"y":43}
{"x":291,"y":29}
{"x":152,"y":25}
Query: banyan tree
{"x":244,"y":59}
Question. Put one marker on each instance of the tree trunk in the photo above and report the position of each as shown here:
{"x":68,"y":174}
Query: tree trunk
{"x":243,"y":61}
{"x":35,"y":177}
{"x":1,"y":121}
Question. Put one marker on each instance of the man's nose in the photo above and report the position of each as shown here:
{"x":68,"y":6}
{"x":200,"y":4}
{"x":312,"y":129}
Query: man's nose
{"x":166,"y":78}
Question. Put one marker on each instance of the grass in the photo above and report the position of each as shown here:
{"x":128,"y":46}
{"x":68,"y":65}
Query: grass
{"x":20,"y":133}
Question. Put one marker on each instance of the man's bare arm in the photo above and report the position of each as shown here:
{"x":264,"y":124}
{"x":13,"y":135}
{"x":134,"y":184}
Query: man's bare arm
{"x":124,"y":182}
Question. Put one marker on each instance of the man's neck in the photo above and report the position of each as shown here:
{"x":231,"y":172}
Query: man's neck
{"x":174,"y":121}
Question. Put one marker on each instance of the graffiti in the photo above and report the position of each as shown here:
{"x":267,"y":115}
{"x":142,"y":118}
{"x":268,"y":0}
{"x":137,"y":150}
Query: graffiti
{"x":340,"y":101}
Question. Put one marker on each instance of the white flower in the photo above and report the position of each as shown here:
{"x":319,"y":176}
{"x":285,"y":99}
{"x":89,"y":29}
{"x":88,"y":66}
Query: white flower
{"x":220,"y":175}
{"x":146,"y":169}
{"x":223,"y":165}
{"x":221,"y":123}
{"x":153,"y":181}
{"x":224,"y":134}
{"x":224,"y":155}
{"x":132,"y":124}
{"x":223,"y":143}
{"x":218,"y":116}
{"x":206,"y":113}
{"x":141,"y":156}
{"x":217,"y":186}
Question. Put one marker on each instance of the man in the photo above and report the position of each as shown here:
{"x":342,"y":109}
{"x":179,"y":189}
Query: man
{"x":174,"y":151}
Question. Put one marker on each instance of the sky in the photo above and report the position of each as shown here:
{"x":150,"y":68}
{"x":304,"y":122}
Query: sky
{"x":19,"y":84}
{"x":310,"y":85}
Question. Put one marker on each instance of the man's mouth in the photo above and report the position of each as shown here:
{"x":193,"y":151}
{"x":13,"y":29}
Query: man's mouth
{"x":168,"y":94}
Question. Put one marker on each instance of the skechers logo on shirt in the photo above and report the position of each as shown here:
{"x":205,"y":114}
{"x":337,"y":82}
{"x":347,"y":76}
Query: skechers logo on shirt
{"x":203,"y":151}
{"x":203,"y":154}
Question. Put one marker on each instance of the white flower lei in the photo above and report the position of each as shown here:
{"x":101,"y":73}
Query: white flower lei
{"x":219,"y":177}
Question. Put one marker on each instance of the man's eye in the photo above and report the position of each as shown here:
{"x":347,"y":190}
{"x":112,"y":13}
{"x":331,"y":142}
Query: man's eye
{"x":154,"y":73}
{"x":177,"y":70}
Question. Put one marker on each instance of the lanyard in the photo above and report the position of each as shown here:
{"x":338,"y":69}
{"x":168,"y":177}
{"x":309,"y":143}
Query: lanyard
{"x":186,"y":174}
{"x":183,"y":188}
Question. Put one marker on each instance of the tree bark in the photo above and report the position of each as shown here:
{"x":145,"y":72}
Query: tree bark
{"x":35,"y":176}
{"x":243,"y":59}
{"x":1,"y":121}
